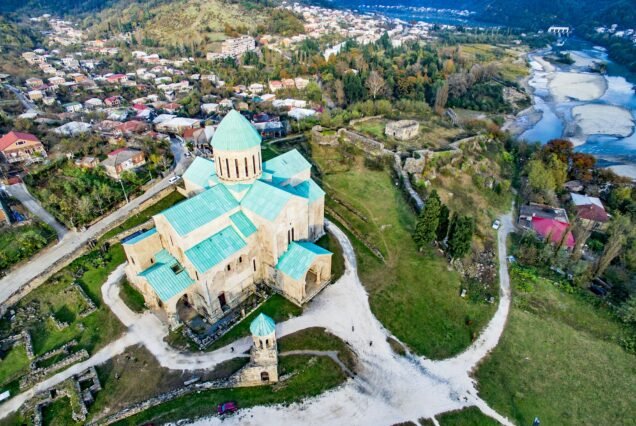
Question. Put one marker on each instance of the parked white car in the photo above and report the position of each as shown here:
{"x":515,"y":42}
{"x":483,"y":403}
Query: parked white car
{"x":174,"y":179}
{"x":496,"y":224}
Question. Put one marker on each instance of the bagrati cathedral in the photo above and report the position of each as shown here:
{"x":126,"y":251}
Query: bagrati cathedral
{"x":245,"y":222}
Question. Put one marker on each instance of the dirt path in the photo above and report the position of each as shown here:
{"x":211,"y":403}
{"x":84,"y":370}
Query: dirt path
{"x":387,"y":389}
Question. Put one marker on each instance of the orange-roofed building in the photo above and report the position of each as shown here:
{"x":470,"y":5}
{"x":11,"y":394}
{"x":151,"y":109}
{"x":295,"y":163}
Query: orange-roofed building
{"x":18,"y":147}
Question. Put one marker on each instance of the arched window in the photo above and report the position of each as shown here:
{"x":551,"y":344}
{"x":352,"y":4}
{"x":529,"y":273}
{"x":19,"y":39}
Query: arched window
{"x":254,"y":164}
{"x":247,"y":172}
{"x":260,"y":162}
{"x":220,"y":170}
{"x":227,"y":167}
{"x":254,"y":264}
{"x":236,"y":167}
{"x":265,"y":376}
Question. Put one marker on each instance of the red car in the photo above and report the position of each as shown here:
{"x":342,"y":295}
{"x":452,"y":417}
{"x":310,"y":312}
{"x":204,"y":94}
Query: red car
{"x":227,"y":407}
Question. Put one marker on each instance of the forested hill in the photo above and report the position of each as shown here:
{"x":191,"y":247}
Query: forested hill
{"x":537,"y":14}
{"x":54,"y":6}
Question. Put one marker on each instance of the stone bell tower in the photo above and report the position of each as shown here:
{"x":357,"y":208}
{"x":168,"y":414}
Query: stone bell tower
{"x":263,"y":366}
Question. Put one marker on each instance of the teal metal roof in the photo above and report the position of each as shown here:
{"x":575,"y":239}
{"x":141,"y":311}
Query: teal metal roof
{"x":297,"y":260}
{"x":162,"y":277}
{"x":286,"y":165}
{"x":200,"y":172}
{"x":235,"y":133}
{"x":213,"y":250}
{"x":238,"y":187}
{"x":243,"y":223}
{"x":140,"y":237}
{"x":265,"y":200}
{"x":262,"y":326}
{"x":307,"y":189}
{"x":203,"y":208}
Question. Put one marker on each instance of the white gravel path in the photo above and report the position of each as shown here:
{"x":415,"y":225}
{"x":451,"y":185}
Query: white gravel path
{"x":388,"y":388}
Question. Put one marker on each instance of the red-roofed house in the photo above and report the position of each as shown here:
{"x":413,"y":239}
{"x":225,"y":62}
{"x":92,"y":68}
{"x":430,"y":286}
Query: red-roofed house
{"x":113,"y":101}
{"x":133,"y":126}
{"x":117,"y":78}
{"x":553,"y":229}
{"x":18,"y":147}
{"x":123,"y":159}
{"x":590,"y":210}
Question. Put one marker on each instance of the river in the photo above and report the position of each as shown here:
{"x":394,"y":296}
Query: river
{"x":597,"y":112}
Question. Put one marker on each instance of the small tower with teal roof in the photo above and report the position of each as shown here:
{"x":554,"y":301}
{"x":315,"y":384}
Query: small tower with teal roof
{"x":263,"y":366}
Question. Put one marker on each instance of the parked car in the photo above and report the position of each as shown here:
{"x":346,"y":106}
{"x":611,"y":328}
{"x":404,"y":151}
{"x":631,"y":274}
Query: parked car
{"x":598,"y":290}
{"x":174,"y":179}
{"x":496,"y":224}
{"x":227,"y":407}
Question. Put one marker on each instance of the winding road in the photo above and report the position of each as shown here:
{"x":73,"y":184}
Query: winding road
{"x":387,"y":389}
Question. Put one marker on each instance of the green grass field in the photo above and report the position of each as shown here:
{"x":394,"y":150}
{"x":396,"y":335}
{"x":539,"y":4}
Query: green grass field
{"x":21,"y":242}
{"x":13,"y":365}
{"x":558,"y":360}
{"x":467,"y":417}
{"x":411,"y":286}
{"x":132,"y":298}
{"x":318,"y":339}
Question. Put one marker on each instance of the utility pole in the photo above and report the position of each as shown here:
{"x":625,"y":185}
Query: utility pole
{"x":124,"y":189}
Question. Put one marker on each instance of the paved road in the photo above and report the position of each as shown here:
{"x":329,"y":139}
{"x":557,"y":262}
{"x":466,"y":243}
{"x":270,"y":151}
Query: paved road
{"x":26,"y":272}
{"x":26,"y":102}
{"x":21,"y":192}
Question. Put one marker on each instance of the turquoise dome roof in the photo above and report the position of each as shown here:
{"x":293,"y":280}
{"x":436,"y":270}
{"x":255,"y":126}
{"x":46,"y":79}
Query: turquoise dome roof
{"x":262,"y":326}
{"x":235,"y":133}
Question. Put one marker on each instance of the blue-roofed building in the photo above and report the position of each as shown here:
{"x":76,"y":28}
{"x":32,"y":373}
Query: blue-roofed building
{"x":243,"y":223}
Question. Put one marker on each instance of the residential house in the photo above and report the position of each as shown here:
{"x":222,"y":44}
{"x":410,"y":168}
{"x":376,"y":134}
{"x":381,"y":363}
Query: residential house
{"x":590,"y":211}
{"x":121,"y":160}
{"x":87,"y":162}
{"x":56,"y":81}
{"x":209,"y":108}
{"x":93,"y":103}
{"x":19,"y":147}
{"x":116,"y":78}
{"x":288,"y":83}
{"x":178,"y":125}
{"x":34,"y":82}
{"x":35,"y":95}
{"x":547,"y":222}
{"x":73,"y":107}
{"x":113,"y":101}
{"x":275,"y":85}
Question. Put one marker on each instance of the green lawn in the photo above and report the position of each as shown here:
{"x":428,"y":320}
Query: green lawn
{"x":410,"y":287}
{"x":558,"y":359}
{"x":313,"y":376}
{"x":318,"y":339}
{"x":145,"y":215}
{"x":13,"y":365}
{"x":467,"y":417}
{"x":59,"y":412}
{"x":277,"y":307}
{"x":330,"y":243}
{"x":131,"y":297}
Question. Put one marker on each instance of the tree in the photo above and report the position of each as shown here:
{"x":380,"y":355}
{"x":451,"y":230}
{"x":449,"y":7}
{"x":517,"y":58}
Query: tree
{"x":460,"y":236}
{"x":353,"y":88}
{"x":426,"y":228}
{"x":375,"y":83}
{"x":561,"y":147}
{"x":619,"y":231}
{"x":444,"y":222}
{"x":441,"y":97}
{"x":540,"y":178}
{"x":581,"y":233}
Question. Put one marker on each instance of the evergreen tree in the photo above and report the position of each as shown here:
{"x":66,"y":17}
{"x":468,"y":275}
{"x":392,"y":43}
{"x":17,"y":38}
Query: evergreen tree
{"x":426,"y":228}
{"x":460,"y":235}
{"x":444,"y":222}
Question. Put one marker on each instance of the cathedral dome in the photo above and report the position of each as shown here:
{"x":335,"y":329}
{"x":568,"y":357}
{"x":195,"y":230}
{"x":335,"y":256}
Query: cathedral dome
{"x":235,"y":133}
